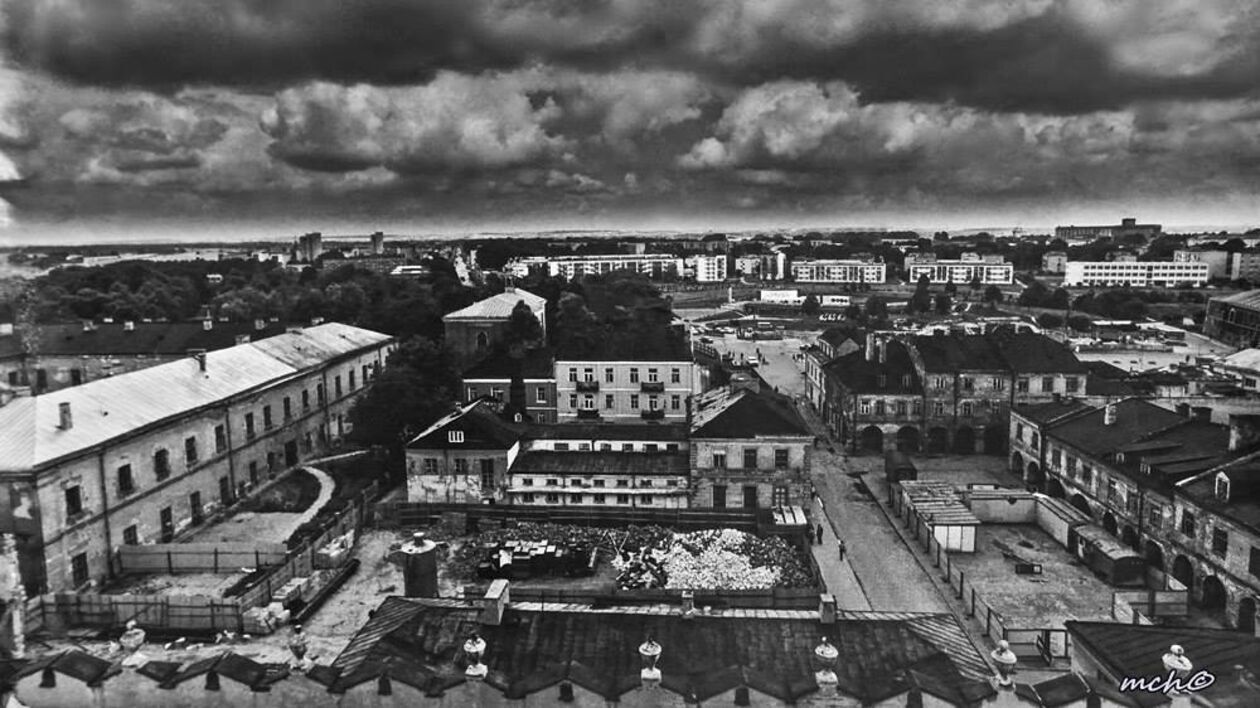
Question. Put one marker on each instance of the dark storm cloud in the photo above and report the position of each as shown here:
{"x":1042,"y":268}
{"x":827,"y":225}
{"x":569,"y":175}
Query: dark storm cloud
{"x":1009,"y":55}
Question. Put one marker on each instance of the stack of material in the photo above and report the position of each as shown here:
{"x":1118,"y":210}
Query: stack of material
{"x":335,"y":552}
{"x":260,"y":621}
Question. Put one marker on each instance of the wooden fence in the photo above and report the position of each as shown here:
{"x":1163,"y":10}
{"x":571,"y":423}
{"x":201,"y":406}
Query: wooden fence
{"x":197,"y":557}
{"x":195,"y":614}
{"x":415,"y":514}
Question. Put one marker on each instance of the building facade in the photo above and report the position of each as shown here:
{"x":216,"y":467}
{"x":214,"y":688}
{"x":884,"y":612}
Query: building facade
{"x":1054,"y":261}
{"x":989,"y":270}
{"x":1126,"y":227}
{"x":1138,"y":274}
{"x":625,"y":391}
{"x":653,"y":265}
{"x":520,"y":381}
{"x":463,"y":458}
{"x":1217,"y":260}
{"x":472,"y":333}
{"x":709,"y":269}
{"x":838,"y":271}
{"x":749,"y":448}
{"x":145,"y":456}
{"x":1245,"y":265}
{"x":1234,"y":319}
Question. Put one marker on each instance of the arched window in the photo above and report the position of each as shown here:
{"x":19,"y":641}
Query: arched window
{"x":483,"y":341}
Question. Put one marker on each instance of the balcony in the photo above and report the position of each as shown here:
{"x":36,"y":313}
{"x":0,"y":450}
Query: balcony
{"x":658,"y":414}
{"x":653,"y":386}
{"x":587,"y":414}
{"x":588,"y":387}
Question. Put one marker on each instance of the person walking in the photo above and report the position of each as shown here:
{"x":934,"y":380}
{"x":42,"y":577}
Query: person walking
{"x":818,"y":531}
{"x":842,"y":550}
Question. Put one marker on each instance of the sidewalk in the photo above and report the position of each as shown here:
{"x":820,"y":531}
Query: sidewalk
{"x":838,"y":575}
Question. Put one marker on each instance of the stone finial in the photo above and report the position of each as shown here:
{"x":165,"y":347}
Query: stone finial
{"x":826,"y":655}
{"x":1005,"y":661}
{"x":475,"y":649}
{"x":649,"y":654}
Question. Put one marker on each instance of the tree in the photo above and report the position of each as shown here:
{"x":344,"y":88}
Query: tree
{"x":1049,"y":320}
{"x":811,"y":306}
{"x":876,"y":307}
{"x":523,"y":327}
{"x":1080,"y":323}
{"x":975,"y":283}
{"x":416,"y":388}
{"x":951,"y":288}
{"x":993,"y":295}
{"x":944,"y":303}
{"x":921,"y":300}
{"x":1060,"y":299}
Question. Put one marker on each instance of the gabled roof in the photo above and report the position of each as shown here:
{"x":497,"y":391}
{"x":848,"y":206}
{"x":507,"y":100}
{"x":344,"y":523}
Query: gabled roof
{"x":1029,"y":353}
{"x":502,"y":366}
{"x":497,"y":307}
{"x":234,"y":666}
{"x":742,"y":413}
{"x":482,"y":429}
{"x":1247,"y":298}
{"x":705,"y":655}
{"x":951,"y":353}
{"x":146,"y":338}
{"x":1245,"y":359}
{"x":1135,"y":419}
{"x":117,"y":406}
{"x":858,"y":375}
{"x":1052,"y":412}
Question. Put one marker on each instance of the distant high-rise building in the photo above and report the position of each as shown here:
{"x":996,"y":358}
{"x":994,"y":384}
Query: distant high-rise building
{"x":1126,"y":227}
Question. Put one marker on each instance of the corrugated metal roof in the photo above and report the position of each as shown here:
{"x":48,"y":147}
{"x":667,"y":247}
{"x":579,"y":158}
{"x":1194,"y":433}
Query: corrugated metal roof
{"x":497,"y":306}
{"x":104,"y":409}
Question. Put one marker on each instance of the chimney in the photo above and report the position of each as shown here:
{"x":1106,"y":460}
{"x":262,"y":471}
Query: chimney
{"x":316,"y":321}
{"x":496,"y":602}
{"x":207,"y":324}
{"x":1202,"y":413}
{"x":418,"y":560}
{"x":129,"y":326}
{"x":827,"y":608}
{"x":1109,"y":414}
{"x":1183,"y":410}
{"x":378,"y":243}
{"x":1005,"y":661}
{"x":88,"y":325}
{"x":260,"y":324}
{"x":242,"y":339}
{"x":200,"y":356}
{"x":870,"y":346}
{"x":509,"y":289}
{"x":688,"y":604}
{"x":66,"y":421}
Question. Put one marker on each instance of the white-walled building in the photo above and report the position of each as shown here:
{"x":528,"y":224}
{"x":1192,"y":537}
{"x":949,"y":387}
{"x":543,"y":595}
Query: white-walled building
{"x":625,"y":390}
{"x":141,"y":457}
{"x":1135,"y":274}
{"x":989,"y":270}
{"x":653,"y":265}
{"x":708,"y":269}
{"x":838,"y":271}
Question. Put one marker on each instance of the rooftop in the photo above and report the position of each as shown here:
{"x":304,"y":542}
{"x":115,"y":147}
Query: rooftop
{"x":742,"y":413}
{"x":1135,"y":419}
{"x":859,"y":375}
{"x":880,"y":654}
{"x":1245,"y":359}
{"x":1052,"y":412}
{"x":30,"y":432}
{"x":609,"y":431}
{"x":1247,"y":298}
{"x":481,"y":427}
{"x":497,"y":307}
{"x":590,"y":463}
{"x":1243,"y":506}
{"x":145,"y":338}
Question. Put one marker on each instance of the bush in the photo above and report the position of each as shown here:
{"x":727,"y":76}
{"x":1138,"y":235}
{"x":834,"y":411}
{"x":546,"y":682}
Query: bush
{"x":1080,"y":323}
{"x":1050,"y":320}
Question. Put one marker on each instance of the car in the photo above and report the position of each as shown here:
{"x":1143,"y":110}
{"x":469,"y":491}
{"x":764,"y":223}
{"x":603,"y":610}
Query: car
{"x":706,"y":340}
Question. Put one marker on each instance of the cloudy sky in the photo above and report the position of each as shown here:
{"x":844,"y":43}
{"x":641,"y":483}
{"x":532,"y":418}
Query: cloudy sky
{"x":267,"y":115}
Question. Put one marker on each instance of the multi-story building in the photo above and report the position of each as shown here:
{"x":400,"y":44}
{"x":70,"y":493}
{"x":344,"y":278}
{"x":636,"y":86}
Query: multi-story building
{"x":472,"y":333}
{"x":749,"y":441}
{"x":592,"y":478}
{"x":1245,"y":265}
{"x":1234,"y":319}
{"x":748,"y":265}
{"x":1217,"y":260}
{"x":653,"y":265}
{"x":1178,"y":489}
{"x":833,"y":342}
{"x":1054,"y":261}
{"x":1138,"y":274}
{"x":988,"y":269}
{"x":1242,"y":366}
{"x":838,"y":271}
{"x":520,"y":381}
{"x":625,"y":389}
{"x":709,"y":269}
{"x":144,"y":456}
{"x":56,"y":355}
{"x":1126,"y":227}
{"x":772,"y":266}
{"x":463,"y":457}
{"x":943,"y":392}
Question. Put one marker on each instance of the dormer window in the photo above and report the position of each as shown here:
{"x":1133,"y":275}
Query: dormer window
{"x":455,"y":436}
{"x":1146,"y":468}
{"x":883,"y":380}
{"x":1120,"y":458}
{"x":1222,"y":487}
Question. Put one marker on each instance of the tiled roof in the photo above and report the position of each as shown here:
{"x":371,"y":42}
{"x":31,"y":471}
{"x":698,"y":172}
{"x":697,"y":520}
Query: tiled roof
{"x":1248,"y":298}
{"x":113,"y":407}
{"x":1029,"y":353}
{"x":1052,"y":412}
{"x":497,"y":307}
{"x":951,"y":353}
{"x":612,"y":462}
{"x":535,"y":364}
{"x":1243,"y":506}
{"x":147,"y":338}
{"x":703,"y":656}
{"x":858,"y":375}
{"x":482,"y":429}
{"x":608,"y":431}
{"x":1245,"y":359}
{"x":742,"y":413}
{"x":1135,"y":419}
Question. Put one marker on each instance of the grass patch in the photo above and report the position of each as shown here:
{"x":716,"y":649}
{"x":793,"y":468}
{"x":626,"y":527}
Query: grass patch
{"x":295,"y":493}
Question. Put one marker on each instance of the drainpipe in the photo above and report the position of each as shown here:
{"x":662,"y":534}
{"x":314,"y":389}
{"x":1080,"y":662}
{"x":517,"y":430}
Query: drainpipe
{"x":109,"y":546}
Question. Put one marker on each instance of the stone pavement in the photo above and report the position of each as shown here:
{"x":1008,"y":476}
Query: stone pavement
{"x":838,"y":575}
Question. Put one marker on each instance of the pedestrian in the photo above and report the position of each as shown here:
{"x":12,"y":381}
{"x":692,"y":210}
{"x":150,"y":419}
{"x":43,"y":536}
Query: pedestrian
{"x":842,"y":549}
{"x":819,"y":531}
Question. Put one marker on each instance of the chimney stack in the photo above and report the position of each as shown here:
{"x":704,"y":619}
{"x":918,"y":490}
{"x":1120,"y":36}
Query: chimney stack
{"x":66,"y":421}
{"x":242,"y":339}
{"x":496,"y":602}
{"x":825,"y":657}
{"x":827,"y":608}
{"x":688,"y":604}
{"x":207,"y":324}
{"x":474,"y":649}
{"x":200,"y":356}
{"x":1109,"y":414}
{"x":1183,"y":410}
{"x":870,"y":346}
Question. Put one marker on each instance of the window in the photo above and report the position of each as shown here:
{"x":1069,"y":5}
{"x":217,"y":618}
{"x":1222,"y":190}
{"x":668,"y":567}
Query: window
{"x":527,"y":482}
{"x":901,"y":407}
{"x":1220,"y":542}
{"x":916,"y":407}
{"x":131,"y":536}
{"x":572,"y":374}
{"x":487,"y":474}
{"x":1071,"y":467}
{"x":634,"y":400}
{"x":968,"y":408}
{"x":880,"y":408}
{"x":1021,"y":385}
{"x":608,"y":375}
{"x":76,"y":377}
{"x":350,"y":380}
{"x":575,"y":498}
{"x":864,"y":406}
{"x":266,"y":417}
{"x":540,"y":394}
{"x":627,"y":447}
{"x":575,"y":483}
{"x":671,"y":447}
{"x":552,"y":498}
{"x":1019,"y":431}
{"x":780,"y":458}
{"x":461,"y":467}
{"x":74,"y":501}
{"x":623,"y":483}
{"x":319,"y":393}
{"x":79,"y":569}
{"x":675,"y":402}
{"x":430,"y":466}
{"x":1072,"y":384}
{"x":1035,"y":441}
{"x":938,"y":408}
{"x":1047,"y":383}
{"x":906,"y":380}
{"x":998,"y":383}
{"x":306,"y":400}
{"x":779,"y":496}
{"x":253,"y":470}
{"x":645,"y":483}
{"x":1056,"y":458}
{"x":599,"y":483}
{"x":162,"y":464}
{"x":634,"y":375}
{"x":527,"y":498}
{"x":719,"y":460}
{"x":287,"y":405}
{"x":1155,"y":516}
{"x":654,"y":403}
{"x":455,"y":436}
{"x":561,"y":447}
{"x":645,"y":500}
{"x":653,"y":375}
{"x":650,"y":447}
{"x":1187,"y":523}
{"x":623,"y":498}
{"x":750,"y":458}
{"x":588,"y":374}
{"x":598,"y":498}
{"x":675,"y":376}
{"x":337,"y":385}
{"x":573,"y":400}
{"x":220,"y":439}
{"x":126,"y":482}
{"x":588,"y":403}
{"x":553,"y":482}
{"x":1087,"y":476}
{"x":967,"y":383}
{"x":1253,"y":562}
{"x":608,"y":401}
{"x":249,"y":426}
{"x":1113,"y":491}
